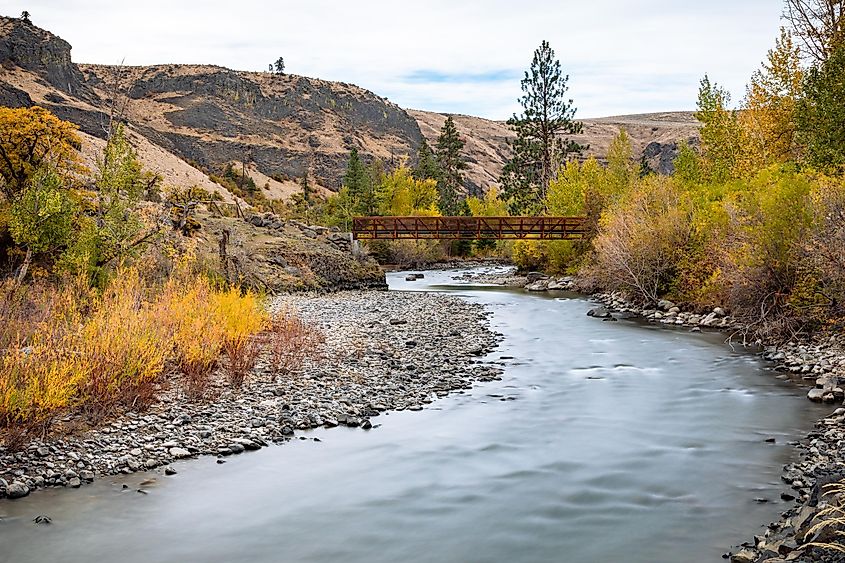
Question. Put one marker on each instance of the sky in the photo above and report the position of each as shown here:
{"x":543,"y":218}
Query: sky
{"x":455,"y":56}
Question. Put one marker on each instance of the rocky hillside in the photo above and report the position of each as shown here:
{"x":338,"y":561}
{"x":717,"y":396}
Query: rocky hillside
{"x":189,"y":120}
{"x":281,"y":126}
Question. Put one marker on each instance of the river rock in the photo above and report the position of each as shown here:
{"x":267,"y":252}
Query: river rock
{"x":599,"y":313}
{"x":532,"y":277}
{"x":816,"y":395}
{"x":17,"y":490}
{"x":665,"y":305}
{"x":179,"y":453}
{"x":236,"y":448}
{"x":744,"y":556}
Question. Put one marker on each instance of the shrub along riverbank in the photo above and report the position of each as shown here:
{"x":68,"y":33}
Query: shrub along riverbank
{"x":73,"y":350}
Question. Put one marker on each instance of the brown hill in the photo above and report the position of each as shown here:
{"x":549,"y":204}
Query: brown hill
{"x":283,"y":126}
{"x":189,"y":120}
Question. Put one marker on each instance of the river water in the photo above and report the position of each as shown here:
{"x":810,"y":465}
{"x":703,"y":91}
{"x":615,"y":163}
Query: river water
{"x":604,"y":442}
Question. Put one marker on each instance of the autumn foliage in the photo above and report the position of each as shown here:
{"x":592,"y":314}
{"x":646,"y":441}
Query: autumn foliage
{"x":68,"y":348}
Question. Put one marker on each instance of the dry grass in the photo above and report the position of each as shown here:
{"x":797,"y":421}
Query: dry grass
{"x":829,"y":532}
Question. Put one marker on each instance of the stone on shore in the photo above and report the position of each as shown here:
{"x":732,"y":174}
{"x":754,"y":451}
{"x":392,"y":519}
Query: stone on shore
{"x":599,"y":313}
{"x":17,"y":490}
{"x":179,"y":453}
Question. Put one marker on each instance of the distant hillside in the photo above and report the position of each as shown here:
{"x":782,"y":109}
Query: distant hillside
{"x":190,"y":120}
{"x":654,"y":136}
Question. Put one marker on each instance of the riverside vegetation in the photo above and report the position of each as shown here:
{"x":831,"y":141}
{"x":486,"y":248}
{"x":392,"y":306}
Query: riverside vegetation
{"x":107,"y":304}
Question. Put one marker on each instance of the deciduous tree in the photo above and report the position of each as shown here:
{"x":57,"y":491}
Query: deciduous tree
{"x":820,"y":25}
{"x":720,"y":131}
{"x":768,"y":114}
{"x":821,"y":113}
{"x":31,"y":138}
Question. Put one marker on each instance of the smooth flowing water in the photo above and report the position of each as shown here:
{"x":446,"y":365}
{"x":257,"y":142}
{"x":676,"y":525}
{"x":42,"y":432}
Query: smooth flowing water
{"x":604,"y":442}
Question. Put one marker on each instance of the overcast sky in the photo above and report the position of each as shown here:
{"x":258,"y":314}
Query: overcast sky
{"x":442,"y":55}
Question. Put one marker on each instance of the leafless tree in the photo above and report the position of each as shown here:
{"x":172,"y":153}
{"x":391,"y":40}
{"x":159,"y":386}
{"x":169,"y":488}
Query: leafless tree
{"x":819,"y":24}
{"x":119,"y":99}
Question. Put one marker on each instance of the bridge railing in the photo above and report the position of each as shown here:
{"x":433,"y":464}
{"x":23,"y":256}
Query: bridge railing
{"x":469,"y":228}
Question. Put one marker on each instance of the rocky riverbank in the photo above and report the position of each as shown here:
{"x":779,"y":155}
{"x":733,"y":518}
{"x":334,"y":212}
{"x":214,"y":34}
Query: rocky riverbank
{"x":384,"y":351}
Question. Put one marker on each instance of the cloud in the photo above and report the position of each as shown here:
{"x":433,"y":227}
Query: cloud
{"x":463,"y":57}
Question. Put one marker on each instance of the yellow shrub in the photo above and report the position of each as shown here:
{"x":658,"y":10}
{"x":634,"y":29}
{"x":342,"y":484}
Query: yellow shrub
{"x":198,"y":334}
{"x":125,"y":346}
{"x":242,"y":318}
{"x":54,"y":358}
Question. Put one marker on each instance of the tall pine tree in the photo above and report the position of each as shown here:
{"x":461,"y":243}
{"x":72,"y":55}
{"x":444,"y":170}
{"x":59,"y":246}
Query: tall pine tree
{"x":360,"y":185}
{"x":541,"y":145}
{"x":451,"y":164}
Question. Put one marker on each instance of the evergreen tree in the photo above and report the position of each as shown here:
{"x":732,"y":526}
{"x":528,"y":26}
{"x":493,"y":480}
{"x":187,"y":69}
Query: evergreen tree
{"x":452,"y":165}
{"x":360,"y":185}
{"x":279,"y":65}
{"x":427,"y":167}
{"x":541,"y":145}
{"x":821,"y":113}
{"x":25,"y":17}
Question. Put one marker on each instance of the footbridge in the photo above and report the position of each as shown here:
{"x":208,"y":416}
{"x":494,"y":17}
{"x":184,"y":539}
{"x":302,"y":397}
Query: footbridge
{"x":469,"y":228}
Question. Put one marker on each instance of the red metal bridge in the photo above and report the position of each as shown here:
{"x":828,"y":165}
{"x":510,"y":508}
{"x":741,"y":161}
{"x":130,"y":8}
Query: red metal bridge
{"x":469,"y":228}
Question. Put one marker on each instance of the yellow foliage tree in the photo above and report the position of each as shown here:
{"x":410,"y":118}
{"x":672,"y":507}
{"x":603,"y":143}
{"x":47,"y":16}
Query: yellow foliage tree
{"x":400,"y":194}
{"x":768,"y":115}
{"x":491,"y":205}
{"x":31,"y":138}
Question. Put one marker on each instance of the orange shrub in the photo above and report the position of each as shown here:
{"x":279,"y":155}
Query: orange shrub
{"x":291,"y":342}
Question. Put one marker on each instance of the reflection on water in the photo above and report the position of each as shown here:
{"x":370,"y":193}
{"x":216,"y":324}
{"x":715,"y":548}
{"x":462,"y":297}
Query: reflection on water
{"x":603,"y":442}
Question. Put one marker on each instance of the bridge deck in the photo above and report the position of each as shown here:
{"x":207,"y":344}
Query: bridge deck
{"x":469,"y":228}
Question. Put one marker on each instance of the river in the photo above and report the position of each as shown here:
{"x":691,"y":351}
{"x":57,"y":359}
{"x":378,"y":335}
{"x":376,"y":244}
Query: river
{"x":603,"y":442}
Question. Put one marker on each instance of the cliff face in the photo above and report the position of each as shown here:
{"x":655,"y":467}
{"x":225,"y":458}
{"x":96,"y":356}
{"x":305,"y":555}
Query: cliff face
{"x":284,"y":125}
{"x":34,"y":49}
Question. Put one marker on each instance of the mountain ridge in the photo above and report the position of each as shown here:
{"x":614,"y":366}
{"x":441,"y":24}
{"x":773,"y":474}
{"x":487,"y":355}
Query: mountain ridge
{"x":189,"y":121}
